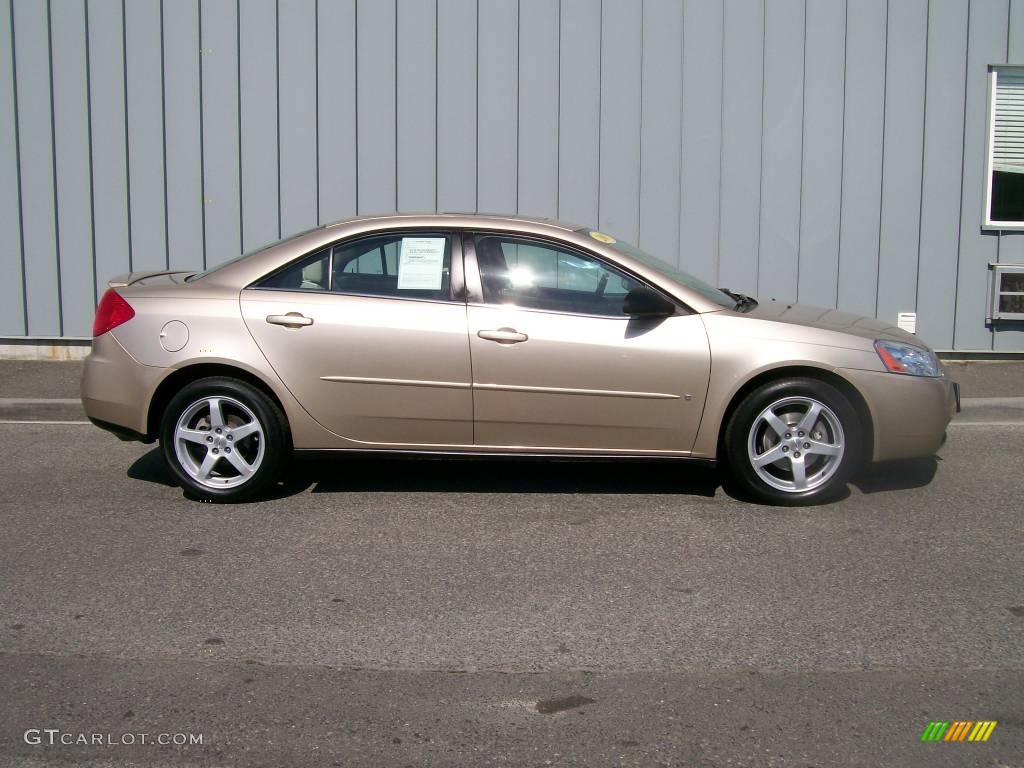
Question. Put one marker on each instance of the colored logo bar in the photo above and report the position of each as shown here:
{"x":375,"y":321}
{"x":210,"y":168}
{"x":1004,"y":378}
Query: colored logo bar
{"x":958,"y":730}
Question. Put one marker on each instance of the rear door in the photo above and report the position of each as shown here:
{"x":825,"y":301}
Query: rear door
{"x":369,"y":339}
{"x":556,"y":363}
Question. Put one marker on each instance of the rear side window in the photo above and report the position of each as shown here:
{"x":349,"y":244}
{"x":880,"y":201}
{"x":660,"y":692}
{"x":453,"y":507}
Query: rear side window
{"x":406,"y":265}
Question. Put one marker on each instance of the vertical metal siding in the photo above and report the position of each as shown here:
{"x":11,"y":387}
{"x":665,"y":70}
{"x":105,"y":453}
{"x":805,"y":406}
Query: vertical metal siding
{"x":701,"y":137}
{"x":660,"y":126}
{"x":182,"y":137}
{"x":497,"y":117}
{"x":71,"y":144}
{"x":822,"y":157}
{"x":12,"y":287}
{"x":147,"y":187}
{"x":38,"y":188}
{"x":782,"y":150}
{"x":336,"y":119}
{"x":537,"y":155}
{"x":258,"y":92}
{"x":621,"y":109}
{"x":375,"y":107}
{"x":220,"y":159}
{"x":941,"y":171}
{"x":417,"y":101}
{"x":297,"y":122}
{"x":900,"y":221}
{"x":820,"y":150}
{"x":109,"y":144}
{"x":862,"y":155}
{"x":579,"y":122}
{"x":742,"y":102}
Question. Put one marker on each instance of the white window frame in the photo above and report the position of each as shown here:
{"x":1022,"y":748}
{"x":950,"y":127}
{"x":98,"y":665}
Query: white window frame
{"x":995,"y":285}
{"x":987,"y":222}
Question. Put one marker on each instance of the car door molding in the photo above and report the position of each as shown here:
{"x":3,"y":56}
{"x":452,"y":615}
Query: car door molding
{"x":398,"y":382}
{"x":574,"y":391}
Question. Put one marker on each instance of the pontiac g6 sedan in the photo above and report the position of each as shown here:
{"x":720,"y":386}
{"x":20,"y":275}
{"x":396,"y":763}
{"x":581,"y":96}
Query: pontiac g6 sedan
{"x":480,"y":335}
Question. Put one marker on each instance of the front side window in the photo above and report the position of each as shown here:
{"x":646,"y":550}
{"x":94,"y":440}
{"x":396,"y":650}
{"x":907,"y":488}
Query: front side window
{"x":538,"y":275}
{"x":1004,"y":199}
{"x":406,"y":265}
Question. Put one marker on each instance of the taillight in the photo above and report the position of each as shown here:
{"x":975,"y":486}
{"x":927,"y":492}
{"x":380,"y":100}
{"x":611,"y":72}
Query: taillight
{"x":112,"y":312}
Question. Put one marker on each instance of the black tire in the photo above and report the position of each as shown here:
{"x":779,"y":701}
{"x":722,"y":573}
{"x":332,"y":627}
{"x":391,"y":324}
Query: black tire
{"x":269,"y":449}
{"x":834,"y":472}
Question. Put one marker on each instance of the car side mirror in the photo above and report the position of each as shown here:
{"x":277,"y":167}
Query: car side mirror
{"x":643,"y":302}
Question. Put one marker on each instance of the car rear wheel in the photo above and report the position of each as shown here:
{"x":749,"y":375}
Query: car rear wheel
{"x":794,"y":442}
{"x":224,"y":439}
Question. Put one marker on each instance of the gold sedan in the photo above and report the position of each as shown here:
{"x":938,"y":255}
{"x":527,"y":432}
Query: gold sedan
{"x":481,"y":335}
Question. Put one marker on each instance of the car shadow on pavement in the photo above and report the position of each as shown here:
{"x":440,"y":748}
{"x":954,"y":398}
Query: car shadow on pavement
{"x":902,"y":475}
{"x":498,"y":475}
{"x":508,"y":475}
{"x":511,"y":475}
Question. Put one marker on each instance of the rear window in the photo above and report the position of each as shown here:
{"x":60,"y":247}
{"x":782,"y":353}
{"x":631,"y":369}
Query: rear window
{"x":247,"y":254}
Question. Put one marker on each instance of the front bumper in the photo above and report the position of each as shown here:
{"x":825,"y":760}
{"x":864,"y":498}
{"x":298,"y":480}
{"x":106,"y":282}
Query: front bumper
{"x":116,"y":388}
{"x":909,"y":414}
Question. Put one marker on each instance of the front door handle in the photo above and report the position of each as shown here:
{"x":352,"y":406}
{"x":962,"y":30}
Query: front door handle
{"x":503,"y":336}
{"x":291,"y":320}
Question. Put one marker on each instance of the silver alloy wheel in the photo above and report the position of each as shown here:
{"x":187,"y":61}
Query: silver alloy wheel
{"x":219,"y":442}
{"x":796,"y":444}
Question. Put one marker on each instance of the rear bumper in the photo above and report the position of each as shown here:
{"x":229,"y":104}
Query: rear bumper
{"x":909,"y":414}
{"x":116,"y":388}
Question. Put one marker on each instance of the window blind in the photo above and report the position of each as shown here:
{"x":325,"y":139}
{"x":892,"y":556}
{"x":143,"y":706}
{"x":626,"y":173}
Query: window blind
{"x":1008,"y":135}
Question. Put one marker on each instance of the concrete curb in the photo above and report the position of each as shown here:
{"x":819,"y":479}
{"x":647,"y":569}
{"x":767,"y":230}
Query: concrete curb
{"x":975,"y":410}
{"x":991,"y":409}
{"x":41,"y":409}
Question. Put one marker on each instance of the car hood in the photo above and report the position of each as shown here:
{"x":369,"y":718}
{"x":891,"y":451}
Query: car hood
{"x":830,"y":320}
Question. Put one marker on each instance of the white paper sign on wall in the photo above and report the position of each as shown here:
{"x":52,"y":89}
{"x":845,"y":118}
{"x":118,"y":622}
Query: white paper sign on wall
{"x":421,"y":264}
{"x":907,"y":321}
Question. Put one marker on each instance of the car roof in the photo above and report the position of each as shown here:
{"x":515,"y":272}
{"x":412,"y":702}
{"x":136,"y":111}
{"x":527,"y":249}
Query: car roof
{"x":257,"y":264}
{"x":457,"y":219}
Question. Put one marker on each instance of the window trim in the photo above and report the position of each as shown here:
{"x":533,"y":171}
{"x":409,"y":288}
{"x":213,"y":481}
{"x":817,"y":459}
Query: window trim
{"x":474,"y":284}
{"x":456,"y":274}
{"x":987,"y":223}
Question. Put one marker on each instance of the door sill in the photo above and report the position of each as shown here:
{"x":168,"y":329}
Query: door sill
{"x":485,"y":454}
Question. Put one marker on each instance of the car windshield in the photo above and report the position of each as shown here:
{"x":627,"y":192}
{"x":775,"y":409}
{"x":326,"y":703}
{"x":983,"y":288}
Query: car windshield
{"x":704,"y":289}
{"x":232,"y":260}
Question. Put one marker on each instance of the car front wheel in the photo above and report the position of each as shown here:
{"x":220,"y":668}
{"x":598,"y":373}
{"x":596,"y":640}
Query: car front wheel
{"x":794,"y":442}
{"x":224,"y":439}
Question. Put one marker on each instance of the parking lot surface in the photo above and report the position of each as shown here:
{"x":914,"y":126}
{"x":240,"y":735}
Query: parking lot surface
{"x":400,"y":612}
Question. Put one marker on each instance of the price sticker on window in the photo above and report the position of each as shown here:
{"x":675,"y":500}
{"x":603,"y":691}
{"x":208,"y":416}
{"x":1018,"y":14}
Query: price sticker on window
{"x":421,"y":264}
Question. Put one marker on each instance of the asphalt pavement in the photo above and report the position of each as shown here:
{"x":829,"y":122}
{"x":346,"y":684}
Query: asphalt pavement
{"x":401,"y":612}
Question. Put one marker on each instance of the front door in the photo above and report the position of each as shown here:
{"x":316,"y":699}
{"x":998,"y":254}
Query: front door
{"x":368,"y":339}
{"x":557,"y":365}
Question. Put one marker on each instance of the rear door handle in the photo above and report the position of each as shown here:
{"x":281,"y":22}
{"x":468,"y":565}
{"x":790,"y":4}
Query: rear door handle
{"x":291,"y":320}
{"x":503,"y":336}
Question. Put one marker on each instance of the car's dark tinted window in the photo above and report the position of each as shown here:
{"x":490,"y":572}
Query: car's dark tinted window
{"x":408,"y":265}
{"x":308,"y":274}
{"x":539,"y":275}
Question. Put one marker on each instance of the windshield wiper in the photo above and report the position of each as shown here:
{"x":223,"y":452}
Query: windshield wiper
{"x":743,"y":303}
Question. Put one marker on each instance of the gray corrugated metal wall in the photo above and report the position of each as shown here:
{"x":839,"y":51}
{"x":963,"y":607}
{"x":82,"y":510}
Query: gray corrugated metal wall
{"x":819,"y":150}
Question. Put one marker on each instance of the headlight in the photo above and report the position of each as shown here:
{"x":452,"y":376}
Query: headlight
{"x":908,"y":359}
